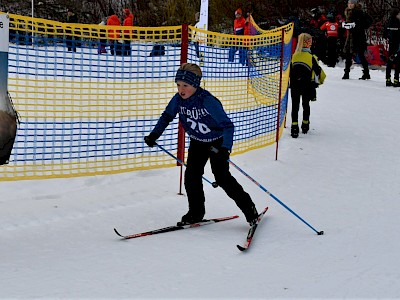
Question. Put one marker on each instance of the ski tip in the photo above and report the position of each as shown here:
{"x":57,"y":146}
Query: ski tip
{"x":241,"y":248}
{"x":115,"y":230}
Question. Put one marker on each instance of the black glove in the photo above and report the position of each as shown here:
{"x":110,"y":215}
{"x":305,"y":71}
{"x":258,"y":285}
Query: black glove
{"x":150,"y":140}
{"x":314,"y":85}
{"x":393,"y":56}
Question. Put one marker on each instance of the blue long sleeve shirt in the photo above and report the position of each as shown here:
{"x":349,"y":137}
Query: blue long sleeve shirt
{"x":202,"y":116}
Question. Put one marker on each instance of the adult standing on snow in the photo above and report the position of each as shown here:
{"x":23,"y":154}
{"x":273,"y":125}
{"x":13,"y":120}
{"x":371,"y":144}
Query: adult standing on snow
{"x":71,"y":39}
{"x":113,"y":34}
{"x":392,"y":32}
{"x":196,"y":38}
{"x":239,"y":28}
{"x":356,"y":42}
{"x":128,"y":21}
{"x":205,"y":121}
{"x":103,"y":41}
{"x":331,"y":27}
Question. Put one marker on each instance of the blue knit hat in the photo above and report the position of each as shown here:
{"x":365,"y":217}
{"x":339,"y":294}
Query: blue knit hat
{"x":188,"y":77}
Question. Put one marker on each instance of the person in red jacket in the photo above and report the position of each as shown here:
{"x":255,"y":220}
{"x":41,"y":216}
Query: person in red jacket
{"x":239,"y":28}
{"x":331,"y":27}
{"x":113,"y":34}
{"x":128,"y":21}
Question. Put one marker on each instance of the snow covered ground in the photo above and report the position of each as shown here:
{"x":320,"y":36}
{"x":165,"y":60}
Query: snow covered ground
{"x":57,"y":239}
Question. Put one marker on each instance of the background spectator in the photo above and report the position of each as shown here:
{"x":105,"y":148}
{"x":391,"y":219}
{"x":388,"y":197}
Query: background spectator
{"x":128,"y":21}
{"x":331,"y":28}
{"x":319,"y":38}
{"x":71,"y":39}
{"x":238,"y":29}
{"x":356,"y":42}
{"x":103,"y":40}
{"x":392,"y":33}
{"x":113,"y":34}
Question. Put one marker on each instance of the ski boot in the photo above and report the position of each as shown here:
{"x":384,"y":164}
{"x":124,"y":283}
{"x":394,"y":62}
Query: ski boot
{"x":191,"y":217}
{"x":305,"y":126}
{"x":346,"y":74}
{"x":251,"y":215}
{"x":294,"y":131}
{"x":396,"y":83}
{"x":389,"y":82}
{"x":365,"y":75}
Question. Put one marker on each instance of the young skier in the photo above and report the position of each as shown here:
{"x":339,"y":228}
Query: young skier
{"x":205,"y":121}
{"x":305,"y":76}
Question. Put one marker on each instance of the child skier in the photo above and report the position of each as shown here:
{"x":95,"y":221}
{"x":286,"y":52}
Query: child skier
{"x":205,"y":121}
{"x":305,"y":76}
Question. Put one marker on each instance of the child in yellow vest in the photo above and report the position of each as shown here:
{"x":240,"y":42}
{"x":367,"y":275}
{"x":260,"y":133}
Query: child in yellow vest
{"x":305,"y":76}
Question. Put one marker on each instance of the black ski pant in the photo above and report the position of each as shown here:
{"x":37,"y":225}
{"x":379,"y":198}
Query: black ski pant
{"x":198,"y":155}
{"x":349,"y":61}
{"x":394,"y":59}
{"x":298,"y":93}
{"x":332,"y":51}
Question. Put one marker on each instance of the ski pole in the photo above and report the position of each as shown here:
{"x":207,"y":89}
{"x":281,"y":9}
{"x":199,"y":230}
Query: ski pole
{"x":214,"y":184}
{"x":273,"y":197}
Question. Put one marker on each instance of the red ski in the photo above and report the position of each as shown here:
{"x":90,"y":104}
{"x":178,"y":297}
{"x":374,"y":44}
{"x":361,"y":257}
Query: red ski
{"x":251,"y":232}
{"x":175,"y":227}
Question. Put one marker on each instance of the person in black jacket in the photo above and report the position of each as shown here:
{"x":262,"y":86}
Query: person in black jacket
{"x":71,"y":39}
{"x":392,"y":33}
{"x":356,"y":42}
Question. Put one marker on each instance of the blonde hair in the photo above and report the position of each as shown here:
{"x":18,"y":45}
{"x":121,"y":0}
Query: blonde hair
{"x":301,"y":40}
{"x":191,"y":68}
